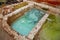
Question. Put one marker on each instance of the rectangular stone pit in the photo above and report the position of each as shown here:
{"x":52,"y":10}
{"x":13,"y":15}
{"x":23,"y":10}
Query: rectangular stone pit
{"x":8,"y":19}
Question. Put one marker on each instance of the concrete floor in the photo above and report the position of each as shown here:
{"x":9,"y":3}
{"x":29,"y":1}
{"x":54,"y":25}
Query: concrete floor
{"x":4,"y":35}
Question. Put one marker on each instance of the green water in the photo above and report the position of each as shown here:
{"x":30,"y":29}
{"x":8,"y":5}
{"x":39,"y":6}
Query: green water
{"x":51,"y":29}
{"x":24,"y":24}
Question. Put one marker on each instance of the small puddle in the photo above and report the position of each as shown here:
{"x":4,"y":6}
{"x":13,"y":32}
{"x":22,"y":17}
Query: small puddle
{"x":20,"y":5}
{"x":24,"y":24}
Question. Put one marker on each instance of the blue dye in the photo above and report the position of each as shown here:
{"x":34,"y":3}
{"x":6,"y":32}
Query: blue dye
{"x":24,"y":24}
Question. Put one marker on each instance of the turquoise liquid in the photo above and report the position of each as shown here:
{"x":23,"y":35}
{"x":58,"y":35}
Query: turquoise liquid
{"x":24,"y":24}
